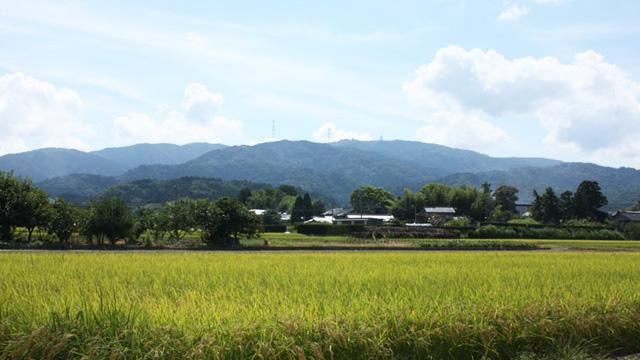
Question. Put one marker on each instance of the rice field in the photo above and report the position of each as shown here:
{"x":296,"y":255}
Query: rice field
{"x":332,"y":305}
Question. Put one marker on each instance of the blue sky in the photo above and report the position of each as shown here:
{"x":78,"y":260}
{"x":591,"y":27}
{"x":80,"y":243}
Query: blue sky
{"x":553,"y":78}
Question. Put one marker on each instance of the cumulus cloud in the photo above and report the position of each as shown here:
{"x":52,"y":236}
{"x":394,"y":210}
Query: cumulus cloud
{"x":34,"y":114}
{"x":513,"y":13}
{"x":330,"y":132}
{"x":461,"y":129}
{"x":196,"y":121}
{"x":587,"y":106}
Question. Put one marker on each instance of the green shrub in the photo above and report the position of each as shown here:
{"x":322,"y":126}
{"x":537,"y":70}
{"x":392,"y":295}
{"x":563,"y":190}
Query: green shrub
{"x":274,"y":228}
{"x":329,"y":230}
{"x":523,"y":221}
{"x":632,"y":231}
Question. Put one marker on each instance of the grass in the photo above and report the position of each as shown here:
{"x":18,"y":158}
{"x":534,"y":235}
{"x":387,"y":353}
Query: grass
{"x":300,"y":240}
{"x":437,"y":305}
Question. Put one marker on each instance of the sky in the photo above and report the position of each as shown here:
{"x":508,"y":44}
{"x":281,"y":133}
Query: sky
{"x":545,"y":78}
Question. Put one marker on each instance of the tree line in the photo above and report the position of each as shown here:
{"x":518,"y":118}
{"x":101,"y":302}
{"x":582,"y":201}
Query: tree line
{"x":109,"y":219}
{"x":484,"y":204}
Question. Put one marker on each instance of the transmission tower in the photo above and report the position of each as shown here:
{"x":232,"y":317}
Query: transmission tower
{"x":329,"y":134}
{"x":273,"y":129}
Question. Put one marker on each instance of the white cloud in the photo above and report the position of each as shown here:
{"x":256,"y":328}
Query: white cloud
{"x":461,"y":129}
{"x":513,"y":13}
{"x":36,"y":114}
{"x":589,"y":107}
{"x":197,"y":121}
{"x":330,"y":132}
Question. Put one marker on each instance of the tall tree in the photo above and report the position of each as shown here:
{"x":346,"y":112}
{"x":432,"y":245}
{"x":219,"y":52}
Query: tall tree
{"x":436,"y":195}
{"x":178,"y":217}
{"x":371,"y":200}
{"x":407,"y":206}
{"x":225,"y":221}
{"x":506,"y":197}
{"x":546,"y":208}
{"x":244,"y":196}
{"x":588,"y":199}
{"x":308,"y":207}
{"x":297,"y":212}
{"x":567,"y":206}
{"x":111,"y":219}
{"x":34,"y":209}
{"x":63,"y":220}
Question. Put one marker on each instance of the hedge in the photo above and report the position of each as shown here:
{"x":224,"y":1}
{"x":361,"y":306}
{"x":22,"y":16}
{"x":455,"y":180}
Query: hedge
{"x":329,"y":230}
{"x":274,"y":228}
{"x":503,"y":232}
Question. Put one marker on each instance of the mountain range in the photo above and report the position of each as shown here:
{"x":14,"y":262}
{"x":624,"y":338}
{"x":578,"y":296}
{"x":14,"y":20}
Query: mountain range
{"x":331,"y":170}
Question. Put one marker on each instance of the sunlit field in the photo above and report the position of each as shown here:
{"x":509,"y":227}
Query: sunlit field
{"x":319,"y":305}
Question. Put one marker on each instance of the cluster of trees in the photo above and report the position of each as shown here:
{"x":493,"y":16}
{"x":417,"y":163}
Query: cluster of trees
{"x":484,"y":204}
{"x":584,"y":204}
{"x":283,"y":199}
{"x":220,"y":222}
{"x":22,"y":205}
{"x":469,"y":201}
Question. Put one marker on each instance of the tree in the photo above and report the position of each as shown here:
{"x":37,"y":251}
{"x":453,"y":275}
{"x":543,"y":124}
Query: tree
{"x":588,"y":199}
{"x":318,"y":207}
{"x":271,"y":217}
{"x":244,"y":196}
{"x":297,"y":212}
{"x":225,"y":221}
{"x":33,"y":210}
{"x":407,"y":206}
{"x":436,"y":195}
{"x":506,"y":197}
{"x":371,"y":200}
{"x":178,"y":217}
{"x":288,"y":190}
{"x":63,"y":220}
{"x":546,"y":208}
{"x":308,"y":207}
{"x":9,"y":194}
{"x":635,"y":207}
{"x":567,"y":205}
{"x":110,"y":218}
{"x":153,"y":222}
{"x":21,"y":204}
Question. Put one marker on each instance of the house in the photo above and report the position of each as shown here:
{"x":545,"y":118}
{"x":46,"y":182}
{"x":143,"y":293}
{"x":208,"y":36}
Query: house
{"x":523,"y":210}
{"x":366,"y":221}
{"x":437,"y":214}
{"x":321,"y":220}
{"x":625,"y":217}
{"x":337,"y":212}
{"x":258,"y":212}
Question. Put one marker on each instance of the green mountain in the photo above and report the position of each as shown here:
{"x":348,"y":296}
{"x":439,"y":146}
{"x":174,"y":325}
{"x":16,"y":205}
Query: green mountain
{"x":143,"y":192}
{"x":77,"y":188}
{"x":329,"y":170}
{"x":54,"y":162}
{"x":440,"y":159}
{"x":317,"y":168}
{"x":51,"y":162}
{"x":621,"y":186}
{"x":148,"y":154}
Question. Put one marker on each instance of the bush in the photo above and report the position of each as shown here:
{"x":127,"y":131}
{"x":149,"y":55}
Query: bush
{"x":459,"y":222}
{"x":523,"y":221}
{"x":632,"y":231}
{"x":519,"y":232}
{"x":329,"y":230}
{"x":274,"y":228}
